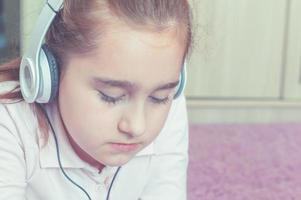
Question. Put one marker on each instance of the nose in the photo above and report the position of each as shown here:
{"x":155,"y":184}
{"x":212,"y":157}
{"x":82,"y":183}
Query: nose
{"x":133,"y":121}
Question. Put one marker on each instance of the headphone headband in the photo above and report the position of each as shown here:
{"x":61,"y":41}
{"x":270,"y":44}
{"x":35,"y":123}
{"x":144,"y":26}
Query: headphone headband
{"x":55,"y":4}
{"x":30,"y":82}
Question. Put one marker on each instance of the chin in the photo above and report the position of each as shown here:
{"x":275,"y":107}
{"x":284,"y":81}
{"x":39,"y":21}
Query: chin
{"x":117,"y":160}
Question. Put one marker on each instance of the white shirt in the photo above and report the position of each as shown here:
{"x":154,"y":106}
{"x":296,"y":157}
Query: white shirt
{"x":29,"y":170}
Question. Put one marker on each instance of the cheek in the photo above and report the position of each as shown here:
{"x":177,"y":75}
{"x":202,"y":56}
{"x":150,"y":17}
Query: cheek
{"x":82,"y":114}
{"x":157,"y":121}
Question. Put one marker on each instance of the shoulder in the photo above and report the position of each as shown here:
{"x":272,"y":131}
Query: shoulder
{"x":19,"y":119}
{"x":18,"y":144}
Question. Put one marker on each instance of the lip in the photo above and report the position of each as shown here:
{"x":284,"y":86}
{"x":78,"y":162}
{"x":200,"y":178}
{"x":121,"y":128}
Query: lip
{"x":124,"y":147}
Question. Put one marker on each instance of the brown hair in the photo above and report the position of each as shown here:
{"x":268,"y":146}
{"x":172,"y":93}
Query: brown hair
{"x":81,"y":23}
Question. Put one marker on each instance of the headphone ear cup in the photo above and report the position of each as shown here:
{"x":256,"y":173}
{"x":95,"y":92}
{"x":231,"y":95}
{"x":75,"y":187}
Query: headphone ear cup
{"x":182,"y":82}
{"x":49,"y":75}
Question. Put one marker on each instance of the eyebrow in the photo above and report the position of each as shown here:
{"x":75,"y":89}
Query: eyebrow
{"x":128,"y":85}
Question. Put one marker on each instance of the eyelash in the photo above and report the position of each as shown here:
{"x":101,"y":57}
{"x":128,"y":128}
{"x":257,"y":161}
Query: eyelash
{"x":160,"y":101}
{"x":112,"y":100}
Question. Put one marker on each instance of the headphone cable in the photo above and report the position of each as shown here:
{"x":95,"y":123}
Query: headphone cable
{"x":59,"y":158}
{"x":108,"y":194}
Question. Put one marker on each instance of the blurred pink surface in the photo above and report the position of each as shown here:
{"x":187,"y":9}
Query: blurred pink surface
{"x":245,"y":162}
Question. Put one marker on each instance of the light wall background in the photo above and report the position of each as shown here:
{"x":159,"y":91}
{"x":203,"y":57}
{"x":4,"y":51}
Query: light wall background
{"x":10,"y":29}
{"x":246,"y":63}
{"x":29,"y":11}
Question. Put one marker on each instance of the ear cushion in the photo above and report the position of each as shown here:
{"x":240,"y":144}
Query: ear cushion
{"x":54,"y":71}
{"x":182,"y":82}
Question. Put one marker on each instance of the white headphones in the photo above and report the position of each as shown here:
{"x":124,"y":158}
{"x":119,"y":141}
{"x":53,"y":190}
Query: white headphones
{"x":39,"y":70}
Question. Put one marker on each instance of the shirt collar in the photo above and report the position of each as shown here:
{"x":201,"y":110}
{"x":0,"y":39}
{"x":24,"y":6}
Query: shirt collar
{"x":69,"y":159}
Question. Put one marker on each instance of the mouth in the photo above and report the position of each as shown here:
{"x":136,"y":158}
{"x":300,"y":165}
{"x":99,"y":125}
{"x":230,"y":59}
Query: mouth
{"x":124,"y":147}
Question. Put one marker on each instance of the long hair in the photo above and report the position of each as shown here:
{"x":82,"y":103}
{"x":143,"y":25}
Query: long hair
{"x":79,"y":26}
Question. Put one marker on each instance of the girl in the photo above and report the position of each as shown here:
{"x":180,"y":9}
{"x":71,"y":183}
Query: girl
{"x":108,"y":127}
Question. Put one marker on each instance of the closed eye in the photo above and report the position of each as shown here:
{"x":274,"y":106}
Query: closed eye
{"x":113,"y":100}
{"x":109,"y":99}
{"x":159,"y":100}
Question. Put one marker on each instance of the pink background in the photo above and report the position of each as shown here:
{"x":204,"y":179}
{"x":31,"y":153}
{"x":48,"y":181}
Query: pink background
{"x":245,"y":162}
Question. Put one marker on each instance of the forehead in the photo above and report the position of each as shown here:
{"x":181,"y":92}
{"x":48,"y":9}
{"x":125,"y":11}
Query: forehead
{"x":128,"y":45}
{"x":137,"y":56}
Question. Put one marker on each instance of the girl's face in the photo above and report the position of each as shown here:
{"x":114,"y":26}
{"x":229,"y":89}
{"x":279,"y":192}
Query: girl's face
{"x":121,"y":94}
